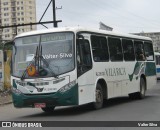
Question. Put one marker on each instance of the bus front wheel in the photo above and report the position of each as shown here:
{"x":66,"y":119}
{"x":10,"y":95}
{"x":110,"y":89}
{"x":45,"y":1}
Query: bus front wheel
{"x":48,"y":109}
{"x":99,"y":97}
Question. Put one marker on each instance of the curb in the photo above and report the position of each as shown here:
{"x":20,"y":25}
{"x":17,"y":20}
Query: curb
{"x":5,"y":99}
{"x":5,"y":103}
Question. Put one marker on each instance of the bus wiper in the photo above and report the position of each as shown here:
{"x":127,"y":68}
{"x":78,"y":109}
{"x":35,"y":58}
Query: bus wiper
{"x":41,"y":58}
{"x":38,"y":59}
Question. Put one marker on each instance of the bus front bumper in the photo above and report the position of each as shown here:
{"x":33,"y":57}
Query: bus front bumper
{"x":67,"y":98}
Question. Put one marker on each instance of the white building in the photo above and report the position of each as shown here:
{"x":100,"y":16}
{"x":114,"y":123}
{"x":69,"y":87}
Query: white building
{"x":155,"y":37}
{"x":14,"y":12}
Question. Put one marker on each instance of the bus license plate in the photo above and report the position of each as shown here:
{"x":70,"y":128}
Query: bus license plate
{"x":39,"y":105}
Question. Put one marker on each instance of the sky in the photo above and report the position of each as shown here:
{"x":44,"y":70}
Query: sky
{"x":128,"y":16}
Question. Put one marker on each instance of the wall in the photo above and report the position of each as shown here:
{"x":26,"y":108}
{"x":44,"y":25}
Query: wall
{"x":7,"y":75}
{"x":1,"y":70}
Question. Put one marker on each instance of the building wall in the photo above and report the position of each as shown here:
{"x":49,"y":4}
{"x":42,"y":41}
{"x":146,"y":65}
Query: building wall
{"x":0,"y":22}
{"x":1,"y":70}
{"x":155,"y":36}
{"x":14,"y":12}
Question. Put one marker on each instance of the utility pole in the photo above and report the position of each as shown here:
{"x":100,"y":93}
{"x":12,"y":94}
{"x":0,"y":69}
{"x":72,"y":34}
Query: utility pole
{"x":54,"y":14}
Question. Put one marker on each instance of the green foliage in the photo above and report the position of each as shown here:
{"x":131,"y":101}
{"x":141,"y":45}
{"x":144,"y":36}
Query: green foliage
{"x":6,"y":46}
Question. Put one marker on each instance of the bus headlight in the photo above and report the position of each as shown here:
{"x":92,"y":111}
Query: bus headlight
{"x":67,"y":86}
{"x":16,"y":91}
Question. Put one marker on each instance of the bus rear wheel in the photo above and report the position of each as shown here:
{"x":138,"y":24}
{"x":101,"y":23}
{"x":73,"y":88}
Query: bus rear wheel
{"x":48,"y":109}
{"x":141,"y":93}
{"x":99,"y":97}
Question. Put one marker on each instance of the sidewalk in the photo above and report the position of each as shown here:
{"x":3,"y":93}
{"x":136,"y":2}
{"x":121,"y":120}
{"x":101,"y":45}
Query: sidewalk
{"x":5,"y":97}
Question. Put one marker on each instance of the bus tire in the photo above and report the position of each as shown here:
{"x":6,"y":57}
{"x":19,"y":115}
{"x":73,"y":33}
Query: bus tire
{"x":48,"y":109}
{"x":141,"y":94}
{"x":99,"y":97}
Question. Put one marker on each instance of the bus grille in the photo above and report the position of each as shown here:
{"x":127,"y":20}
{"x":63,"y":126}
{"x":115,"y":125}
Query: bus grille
{"x":36,"y":84}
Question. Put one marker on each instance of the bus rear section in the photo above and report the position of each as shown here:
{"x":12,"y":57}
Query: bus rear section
{"x":157,"y":58}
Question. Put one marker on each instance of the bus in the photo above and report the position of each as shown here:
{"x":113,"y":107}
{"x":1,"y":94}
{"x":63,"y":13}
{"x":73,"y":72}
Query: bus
{"x":157,"y":59}
{"x":75,"y":66}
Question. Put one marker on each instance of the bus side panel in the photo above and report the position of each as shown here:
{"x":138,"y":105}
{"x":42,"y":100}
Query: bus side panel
{"x":110,"y":89}
{"x":150,"y":73}
{"x":158,"y":71}
{"x":86,"y":88}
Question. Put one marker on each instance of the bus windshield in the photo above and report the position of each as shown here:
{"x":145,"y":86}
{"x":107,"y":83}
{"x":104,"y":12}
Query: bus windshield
{"x":57,"y":51}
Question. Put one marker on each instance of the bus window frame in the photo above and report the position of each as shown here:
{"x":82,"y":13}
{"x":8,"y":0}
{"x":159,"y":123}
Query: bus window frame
{"x":142,"y":42}
{"x":120,"y":38}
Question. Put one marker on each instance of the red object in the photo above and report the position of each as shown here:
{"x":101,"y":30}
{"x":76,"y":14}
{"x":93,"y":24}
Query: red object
{"x":39,"y":105}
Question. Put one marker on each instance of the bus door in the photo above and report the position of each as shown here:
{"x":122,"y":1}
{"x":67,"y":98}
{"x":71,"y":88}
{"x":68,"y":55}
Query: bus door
{"x":84,"y":71}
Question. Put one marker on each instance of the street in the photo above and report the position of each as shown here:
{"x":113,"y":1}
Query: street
{"x":117,"y":109}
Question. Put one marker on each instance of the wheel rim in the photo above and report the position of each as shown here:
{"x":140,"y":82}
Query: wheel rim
{"x":98,"y":96}
{"x":142,"y":87}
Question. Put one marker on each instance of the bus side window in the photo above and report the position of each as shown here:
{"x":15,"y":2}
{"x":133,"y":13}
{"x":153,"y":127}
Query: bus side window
{"x":128,"y":50}
{"x":139,"y":51}
{"x":115,"y":49}
{"x":148,"y":48}
{"x":99,"y":48}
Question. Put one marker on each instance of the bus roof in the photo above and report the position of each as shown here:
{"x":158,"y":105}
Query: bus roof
{"x":82,"y":29}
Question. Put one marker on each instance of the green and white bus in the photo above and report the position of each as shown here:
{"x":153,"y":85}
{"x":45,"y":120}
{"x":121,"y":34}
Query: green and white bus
{"x":75,"y":66}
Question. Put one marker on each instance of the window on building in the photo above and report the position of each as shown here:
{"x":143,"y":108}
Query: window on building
{"x":13,"y":14}
{"x":13,"y":9}
{"x":5,"y":3}
{"x":6,"y":30}
{"x":5,"y":9}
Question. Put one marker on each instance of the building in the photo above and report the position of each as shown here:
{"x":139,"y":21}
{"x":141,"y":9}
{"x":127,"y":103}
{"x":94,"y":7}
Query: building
{"x":14,"y":12}
{"x":155,"y":36}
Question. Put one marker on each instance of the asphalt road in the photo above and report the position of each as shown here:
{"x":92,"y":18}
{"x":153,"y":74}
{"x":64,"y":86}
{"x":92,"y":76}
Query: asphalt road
{"x":117,"y":109}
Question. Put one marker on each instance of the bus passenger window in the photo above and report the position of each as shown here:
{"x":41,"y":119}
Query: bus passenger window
{"x":99,"y":48}
{"x":139,"y":51}
{"x":148,"y":49}
{"x":128,"y":50}
{"x":115,"y":49}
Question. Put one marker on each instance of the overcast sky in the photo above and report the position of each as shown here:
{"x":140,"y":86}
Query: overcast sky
{"x":127,"y":16}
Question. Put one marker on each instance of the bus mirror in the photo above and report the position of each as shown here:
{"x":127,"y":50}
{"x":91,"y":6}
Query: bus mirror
{"x":5,"y":56}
